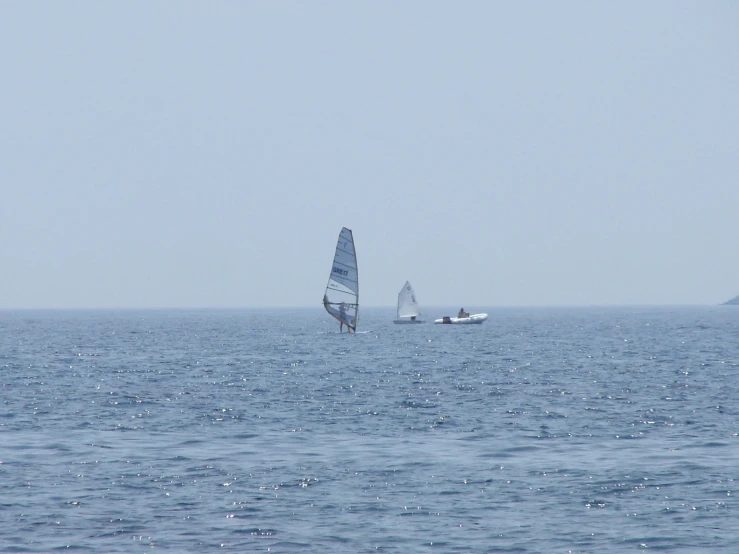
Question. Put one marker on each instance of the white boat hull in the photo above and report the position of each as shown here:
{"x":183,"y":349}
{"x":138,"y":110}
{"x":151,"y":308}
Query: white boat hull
{"x":474,"y":318}
{"x":408,"y":320}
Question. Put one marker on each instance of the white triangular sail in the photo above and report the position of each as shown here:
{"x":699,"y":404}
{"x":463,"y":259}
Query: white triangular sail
{"x":342,"y":291}
{"x":407,"y":304}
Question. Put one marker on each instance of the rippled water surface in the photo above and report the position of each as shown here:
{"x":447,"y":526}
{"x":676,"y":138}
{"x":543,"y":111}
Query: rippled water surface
{"x":542,"y":430}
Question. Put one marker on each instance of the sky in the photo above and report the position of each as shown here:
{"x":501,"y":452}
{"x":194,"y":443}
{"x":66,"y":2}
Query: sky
{"x":207,"y":154}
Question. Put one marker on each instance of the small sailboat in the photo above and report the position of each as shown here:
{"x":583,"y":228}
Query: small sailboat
{"x":341,"y":299}
{"x":408,"y":308}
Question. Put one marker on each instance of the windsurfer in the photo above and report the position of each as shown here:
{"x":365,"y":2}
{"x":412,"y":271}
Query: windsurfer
{"x":343,"y":318}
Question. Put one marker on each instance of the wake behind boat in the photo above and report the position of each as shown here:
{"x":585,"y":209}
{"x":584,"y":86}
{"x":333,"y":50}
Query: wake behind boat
{"x":408,"y":308}
{"x":341,"y":299}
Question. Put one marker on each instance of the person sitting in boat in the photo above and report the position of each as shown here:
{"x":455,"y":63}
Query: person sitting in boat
{"x":413,"y":318}
{"x":462,"y":313}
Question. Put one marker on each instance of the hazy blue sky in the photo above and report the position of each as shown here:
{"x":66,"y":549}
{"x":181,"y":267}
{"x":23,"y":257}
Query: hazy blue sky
{"x":494,"y":153}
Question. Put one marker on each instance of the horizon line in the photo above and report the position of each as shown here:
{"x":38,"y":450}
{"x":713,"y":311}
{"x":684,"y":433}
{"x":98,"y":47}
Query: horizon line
{"x":377,"y":306}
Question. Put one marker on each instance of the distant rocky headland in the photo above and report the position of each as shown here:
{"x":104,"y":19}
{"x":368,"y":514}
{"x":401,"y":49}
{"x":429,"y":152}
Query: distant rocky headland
{"x":733,"y":302}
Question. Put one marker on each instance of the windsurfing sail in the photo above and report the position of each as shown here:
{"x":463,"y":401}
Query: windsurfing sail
{"x":342,"y":291}
{"x":407,"y":305}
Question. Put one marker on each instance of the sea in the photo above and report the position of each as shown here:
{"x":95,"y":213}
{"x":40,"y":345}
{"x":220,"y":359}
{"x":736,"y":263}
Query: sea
{"x":543,"y":430}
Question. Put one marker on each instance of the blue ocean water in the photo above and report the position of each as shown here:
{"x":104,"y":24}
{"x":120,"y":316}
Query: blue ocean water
{"x":542,"y":430}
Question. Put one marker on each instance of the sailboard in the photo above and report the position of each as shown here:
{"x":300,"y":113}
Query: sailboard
{"x":341,"y":298}
{"x":408,"y":308}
